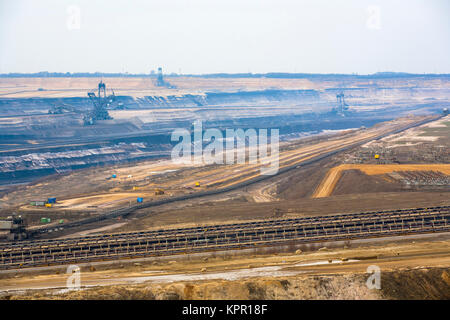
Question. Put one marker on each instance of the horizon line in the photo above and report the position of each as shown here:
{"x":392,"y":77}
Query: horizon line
{"x":215,"y":74}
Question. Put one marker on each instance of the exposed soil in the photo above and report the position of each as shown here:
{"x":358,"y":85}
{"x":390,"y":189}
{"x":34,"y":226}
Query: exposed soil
{"x":429,"y":283}
{"x":355,"y":181}
{"x":302,"y":182}
{"x":371,"y":177}
{"x":417,"y":269}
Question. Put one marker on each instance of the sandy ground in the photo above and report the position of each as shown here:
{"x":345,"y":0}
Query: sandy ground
{"x":139,"y":87}
{"x":102,"y":200}
{"x":142,"y":179}
{"x":413,"y":268}
{"x":416,"y":136}
{"x":327,"y":186}
{"x":412,"y":147}
{"x":87,"y":191}
{"x":77,"y":87}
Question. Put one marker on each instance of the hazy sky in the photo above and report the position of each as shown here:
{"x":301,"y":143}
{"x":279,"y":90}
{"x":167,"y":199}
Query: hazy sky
{"x":208,"y":36}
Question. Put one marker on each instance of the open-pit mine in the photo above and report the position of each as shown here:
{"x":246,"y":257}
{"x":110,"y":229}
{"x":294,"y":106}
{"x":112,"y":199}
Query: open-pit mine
{"x":87,"y":178}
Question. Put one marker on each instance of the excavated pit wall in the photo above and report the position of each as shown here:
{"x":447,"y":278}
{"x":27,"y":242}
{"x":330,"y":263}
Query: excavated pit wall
{"x":34,"y":144}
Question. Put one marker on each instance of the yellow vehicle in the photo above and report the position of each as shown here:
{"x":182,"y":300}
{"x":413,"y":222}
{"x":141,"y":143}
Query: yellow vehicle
{"x":197,"y":184}
{"x":377,"y":156}
{"x":158,"y":191}
{"x":48,"y":205}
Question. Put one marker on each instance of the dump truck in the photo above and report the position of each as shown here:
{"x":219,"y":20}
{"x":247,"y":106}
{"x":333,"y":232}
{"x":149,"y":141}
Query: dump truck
{"x":159,"y":192}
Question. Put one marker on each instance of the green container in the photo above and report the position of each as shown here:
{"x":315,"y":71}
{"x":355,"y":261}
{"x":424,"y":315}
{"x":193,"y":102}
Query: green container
{"x":61,"y":221}
{"x":45,"y":220}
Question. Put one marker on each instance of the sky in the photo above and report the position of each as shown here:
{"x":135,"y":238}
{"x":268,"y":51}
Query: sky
{"x":232,"y":36}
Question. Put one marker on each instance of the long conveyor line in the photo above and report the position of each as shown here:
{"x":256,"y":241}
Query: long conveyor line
{"x":231,"y":239}
{"x":222,"y":228}
{"x":144,"y":249}
{"x":58,"y":244}
{"x":235,"y":226}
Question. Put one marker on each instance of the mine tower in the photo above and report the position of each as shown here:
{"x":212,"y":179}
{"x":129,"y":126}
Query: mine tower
{"x":160,"y":82}
{"x":341,"y":104}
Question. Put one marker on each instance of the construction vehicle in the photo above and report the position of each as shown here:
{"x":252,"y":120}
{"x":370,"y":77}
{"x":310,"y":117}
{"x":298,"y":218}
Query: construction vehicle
{"x":15,"y":227}
{"x":101,"y":102}
{"x":197,"y":184}
{"x":160,"y":82}
{"x":159,"y":191}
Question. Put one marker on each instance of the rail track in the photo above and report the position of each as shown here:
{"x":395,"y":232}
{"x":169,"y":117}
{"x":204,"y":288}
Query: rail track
{"x":225,"y":237}
{"x":292,"y":164}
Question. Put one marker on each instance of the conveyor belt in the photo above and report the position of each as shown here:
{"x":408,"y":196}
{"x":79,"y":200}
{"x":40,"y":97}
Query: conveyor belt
{"x":225,"y":237}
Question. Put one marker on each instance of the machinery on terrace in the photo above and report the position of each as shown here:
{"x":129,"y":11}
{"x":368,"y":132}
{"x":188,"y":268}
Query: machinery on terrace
{"x":15,"y":227}
{"x":61,"y":108}
{"x":101,"y":102}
